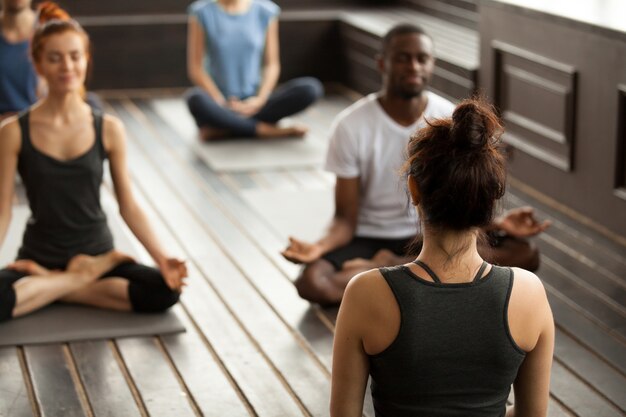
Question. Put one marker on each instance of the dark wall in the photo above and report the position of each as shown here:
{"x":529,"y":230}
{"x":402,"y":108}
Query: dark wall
{"x":559,"y":87}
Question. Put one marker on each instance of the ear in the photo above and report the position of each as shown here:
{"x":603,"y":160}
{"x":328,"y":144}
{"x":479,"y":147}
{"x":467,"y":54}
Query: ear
{"x":414,"y":190}
{"x":380,"y":63}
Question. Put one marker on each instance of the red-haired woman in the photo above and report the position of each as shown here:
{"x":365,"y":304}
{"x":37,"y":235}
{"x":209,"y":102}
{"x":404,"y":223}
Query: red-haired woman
{"x":447,"y":334}
{"x":59,"y":146}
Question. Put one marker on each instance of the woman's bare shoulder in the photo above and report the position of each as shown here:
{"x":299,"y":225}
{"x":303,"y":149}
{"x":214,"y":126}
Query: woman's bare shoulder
{"x":10,"y":134}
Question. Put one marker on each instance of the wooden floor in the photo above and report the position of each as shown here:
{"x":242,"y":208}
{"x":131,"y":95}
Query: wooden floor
{"x":252,"y":346}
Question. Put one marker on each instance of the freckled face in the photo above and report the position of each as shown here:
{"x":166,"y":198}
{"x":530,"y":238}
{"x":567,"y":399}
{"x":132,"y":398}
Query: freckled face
{"x":63,"y":62}
{"x":407,"y":65}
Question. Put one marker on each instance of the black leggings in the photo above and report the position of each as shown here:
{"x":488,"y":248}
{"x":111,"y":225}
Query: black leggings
{"x":147,"y":290}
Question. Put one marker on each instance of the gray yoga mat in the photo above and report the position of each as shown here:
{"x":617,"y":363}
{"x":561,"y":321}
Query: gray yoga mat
{"x":58,"y":323}
{"x":254,"y":154}
{"x":303,"y":214}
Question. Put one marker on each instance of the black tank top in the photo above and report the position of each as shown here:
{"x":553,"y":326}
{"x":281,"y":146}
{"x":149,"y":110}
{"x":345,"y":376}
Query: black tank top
{"x":64,"y":199}
{"x":454,"y":354}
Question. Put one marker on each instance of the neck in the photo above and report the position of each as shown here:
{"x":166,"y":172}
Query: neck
{"x":19,"y":23}
{"x":63,"y":107}
{"x":404,"y":111}
{"x":452,"y":254}
{"x":234,"y":5}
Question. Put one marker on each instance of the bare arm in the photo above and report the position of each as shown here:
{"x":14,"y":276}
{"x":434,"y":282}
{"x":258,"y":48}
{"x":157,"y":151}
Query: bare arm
{"x":271,"y":62}
{"x":532,"y":385}
{"x":195,"y":56}
{"x":173,"y":269}
{"x":350,"y":362}
{"x":10,"y":142}
{"x":341,"y":229}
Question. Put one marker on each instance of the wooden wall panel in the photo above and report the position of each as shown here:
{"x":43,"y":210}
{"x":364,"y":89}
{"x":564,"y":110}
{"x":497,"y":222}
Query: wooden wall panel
{"x":139,"y":55}
{"x":562,"y":78}
{"x":620,"y":149}
{"x":537,"y":98}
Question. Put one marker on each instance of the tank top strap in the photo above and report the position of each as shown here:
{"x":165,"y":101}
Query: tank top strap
{"x":428,"y":270}
{"x":24,"y":121}
{"x":435,"y":278}
{"x":98,"y":121}
{"x":479,"y":274}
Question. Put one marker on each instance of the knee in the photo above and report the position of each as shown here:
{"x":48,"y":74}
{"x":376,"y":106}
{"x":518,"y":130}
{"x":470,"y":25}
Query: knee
{"x":192,"y":95}
{"x":154,"y":298}
{"x":315,"y":285}
{"x":311,"y":89}
{"x":531,"y":258}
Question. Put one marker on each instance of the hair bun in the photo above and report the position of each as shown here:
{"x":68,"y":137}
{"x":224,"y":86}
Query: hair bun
{"x":470,"y":129}
{"x":49,"y":10}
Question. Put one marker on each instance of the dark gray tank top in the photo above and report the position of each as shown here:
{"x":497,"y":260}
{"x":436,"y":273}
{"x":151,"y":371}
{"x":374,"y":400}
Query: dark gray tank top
{"x":64,"y":199}
{"x":454,"y":354}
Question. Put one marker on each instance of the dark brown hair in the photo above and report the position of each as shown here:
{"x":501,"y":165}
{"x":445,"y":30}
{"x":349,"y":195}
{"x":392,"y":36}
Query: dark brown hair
{"x":458,"y":167}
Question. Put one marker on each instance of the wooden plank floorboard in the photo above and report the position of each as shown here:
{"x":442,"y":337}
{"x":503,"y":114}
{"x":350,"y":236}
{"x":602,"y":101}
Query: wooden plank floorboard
{"x":575,"y":234}
{"x":275,"y":180}
{"x":214,"y":394}
{"x":606,"y":315}
{"x":292,"y":366}
{"x":160,"y":391}
{"x":605,"y":290}
{"x":588,"y":367}
{"x":587,"y":333}
{"x":14,"y":400}
{"x":577,"y":396}
{"x":108,"y":392}
{"x":54,"y":388}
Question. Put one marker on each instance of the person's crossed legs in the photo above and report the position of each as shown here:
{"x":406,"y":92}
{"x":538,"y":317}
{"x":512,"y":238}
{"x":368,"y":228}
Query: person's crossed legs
{"x":111,"y":281}
{"x":217,"y":121}
{"x":324,"y":280}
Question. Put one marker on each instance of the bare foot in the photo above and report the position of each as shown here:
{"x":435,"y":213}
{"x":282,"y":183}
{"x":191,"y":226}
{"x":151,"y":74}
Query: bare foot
{"x":266,"y":130}
{"x":385,"y":257}
{"x":29,"y":267}
{"x":92,"y":267}
{"x":210,"y":134}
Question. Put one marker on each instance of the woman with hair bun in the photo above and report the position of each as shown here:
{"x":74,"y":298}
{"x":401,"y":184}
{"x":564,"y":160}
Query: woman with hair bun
{"x":59,"y":146}
{"x":447,"y":334}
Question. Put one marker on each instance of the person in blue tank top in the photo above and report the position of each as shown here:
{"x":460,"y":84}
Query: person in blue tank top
{"x":447,"y":334}
{"x":233,"y":61}
{"x":19,"y":85}
{"x":18,"y":80}
{"x":58,"y":146}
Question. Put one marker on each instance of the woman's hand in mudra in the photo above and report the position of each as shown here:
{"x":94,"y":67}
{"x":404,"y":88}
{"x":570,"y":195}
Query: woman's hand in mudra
{"x":174,"y":272}
{"x":248,"y":107}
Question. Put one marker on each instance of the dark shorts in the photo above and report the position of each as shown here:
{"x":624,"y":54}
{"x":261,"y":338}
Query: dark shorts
{"x":147,"y":289}
{"x":366,"y":248}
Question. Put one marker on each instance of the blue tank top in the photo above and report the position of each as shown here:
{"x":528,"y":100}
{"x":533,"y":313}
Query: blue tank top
{"x":18,"y":80}
{"x":234,"y":44}
{"x":454,"y":355}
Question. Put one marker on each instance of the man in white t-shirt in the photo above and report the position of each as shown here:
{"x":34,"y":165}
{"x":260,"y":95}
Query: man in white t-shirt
{"x":374,"y":224}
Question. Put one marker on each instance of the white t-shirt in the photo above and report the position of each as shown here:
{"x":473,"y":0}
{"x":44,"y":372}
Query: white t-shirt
{"x":367,"y":143}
